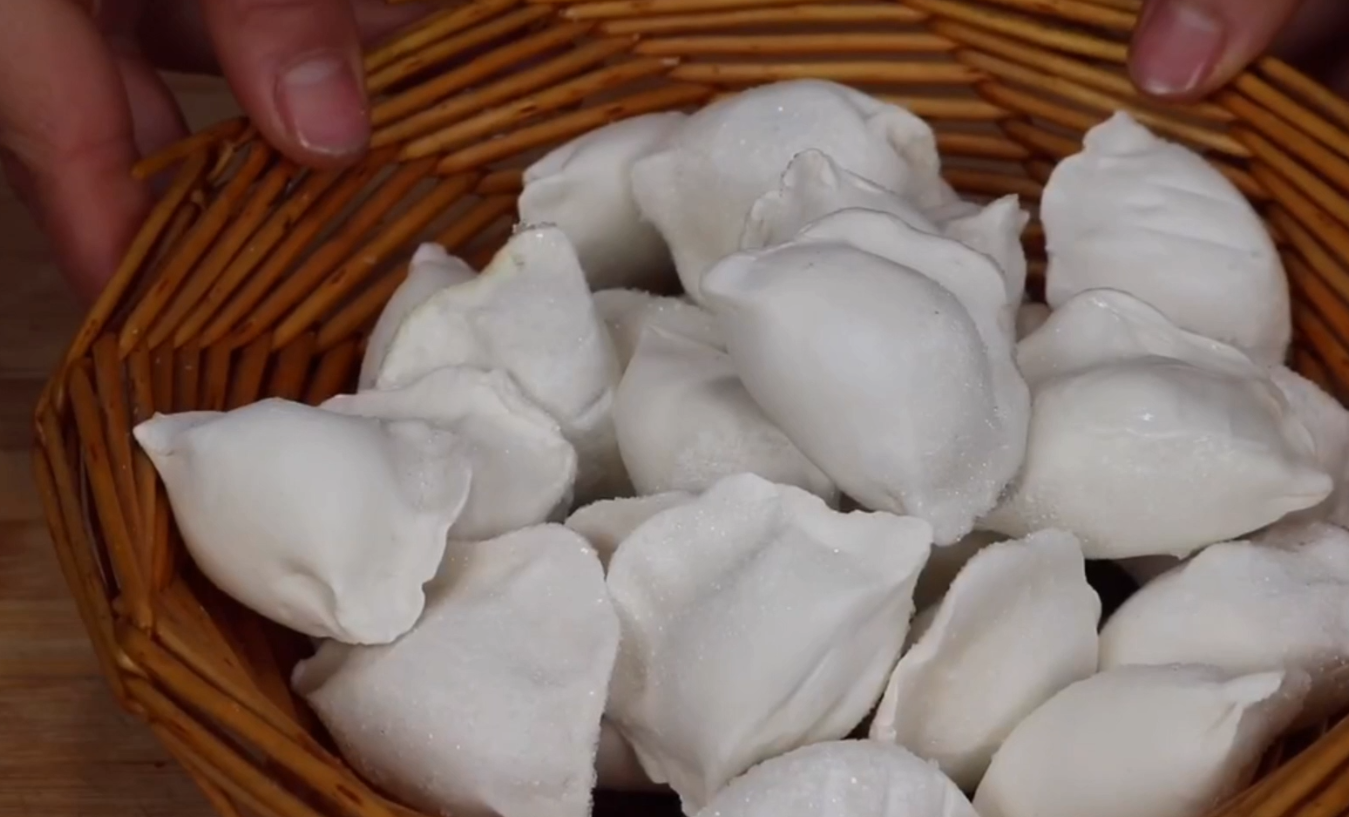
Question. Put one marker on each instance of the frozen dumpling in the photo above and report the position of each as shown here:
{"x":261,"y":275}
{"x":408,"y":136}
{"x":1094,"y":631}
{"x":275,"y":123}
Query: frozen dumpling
{"x":755,"y":620}
{"x":684,"y":421}
{"x":1188,"y":438}
{"x":490,"y":706}
{"x":699,"y":190}
{"x":1279,"y":601}
{"x":529,"y":314}
{"x":324,"y":523}
{"x":877,"y":373}
{"x":1017,"y":626}
{"x":607,"y":523}
{"x":431,"y":270}
{"x":1168,"y":741}
{"x":627,"y":312}
{"x":523,"y":468}
{"x":812,"y":187}
{"x":846,"y":778}
{"x":975,"y":280}
{"x":584,"y":188}
{"x":1153,"y":218}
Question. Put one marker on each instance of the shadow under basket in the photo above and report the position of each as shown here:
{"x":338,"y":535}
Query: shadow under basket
{"x":255,"y":278}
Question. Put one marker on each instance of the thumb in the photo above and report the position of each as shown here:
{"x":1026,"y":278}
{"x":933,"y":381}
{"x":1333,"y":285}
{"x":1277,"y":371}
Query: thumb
{"x":1183,"y":49}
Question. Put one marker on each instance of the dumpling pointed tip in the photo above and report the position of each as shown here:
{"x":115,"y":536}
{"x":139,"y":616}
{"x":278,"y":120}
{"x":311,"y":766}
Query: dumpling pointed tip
{"x":1120,"y":134}
{"x":158,"y":436}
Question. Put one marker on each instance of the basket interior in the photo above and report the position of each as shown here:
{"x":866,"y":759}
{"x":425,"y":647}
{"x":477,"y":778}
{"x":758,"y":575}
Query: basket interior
{"x":255,"y":278}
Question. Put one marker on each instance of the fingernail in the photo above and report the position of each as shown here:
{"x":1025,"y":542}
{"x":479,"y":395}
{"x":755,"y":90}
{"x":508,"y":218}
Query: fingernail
{"x":323,"y":105}
{"x":1177,"y":48}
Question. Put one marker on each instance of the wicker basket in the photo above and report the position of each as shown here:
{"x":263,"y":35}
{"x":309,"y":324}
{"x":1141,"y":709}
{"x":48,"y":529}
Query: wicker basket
{"x":254,"y":278}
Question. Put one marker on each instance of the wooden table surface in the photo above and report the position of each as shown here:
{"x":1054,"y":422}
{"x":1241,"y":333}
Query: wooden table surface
{"x":65,"y":747}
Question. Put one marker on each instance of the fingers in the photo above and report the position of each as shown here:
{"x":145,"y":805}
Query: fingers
{"x":1184,"y":49}
{"x":66,"y":125}
{"x":295,"y":66}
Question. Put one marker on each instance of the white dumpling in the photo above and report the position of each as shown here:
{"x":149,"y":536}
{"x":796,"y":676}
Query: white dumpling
{"x":523,"y":468}
{"x":1153,"y":218}
{"x":1328,"y":423}
{"x":685,"y":421}
{"x":584,"y":187}
{"x":995,"y":231}
{"x":431,"y":270}
{"x":605,"y":524}
{"x":755,"y":620}
{"x":877,"y":373}
{"x":530,"y":314}
{"x":1267,"y":604}
{"x":975,"y":280}
{"x":1188,"y":438}
{"x":627,"y":312}
{"x":1030,"y":316}
{"x":699,"y":190}
{"x":1140,"y":742}
{"x":1018,"y":625}
{"x":846,"y":778}
{"x":490,"y":706}
{"x":813,"y":186}
{"x":327,"y":524}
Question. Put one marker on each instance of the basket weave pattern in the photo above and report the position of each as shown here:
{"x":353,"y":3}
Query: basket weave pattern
{"x":256,"y":278}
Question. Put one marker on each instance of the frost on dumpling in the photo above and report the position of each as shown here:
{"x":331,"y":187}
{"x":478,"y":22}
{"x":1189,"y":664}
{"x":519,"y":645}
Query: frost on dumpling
{"x":1188,"y":438}
{"x":755,"y":620}
{"x":684,"y":421}
{"x":1152,"y":218}
{"x":605,"y":524}
{"x":327,"y":524}
{"x":431,"y":270}
{"x":995,"y":231}
{"x":1168,"y":741}
{"x":490,"y":706}
{"x":583,"y":187}
{"x":627,"y":312}
{"x":812,"y":187}
{"x":699,"y":190}
{"x":523,"y":468}
{"x":878,"y":374}
{"x":531,"y":315}
{"x":1328,"y":423}
{"x":847,"y":778}
{"x":1017,"y":626}
{"x":1279,"y":601}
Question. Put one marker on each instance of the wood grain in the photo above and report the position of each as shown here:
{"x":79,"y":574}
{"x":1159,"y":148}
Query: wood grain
{"x":66,"y":749}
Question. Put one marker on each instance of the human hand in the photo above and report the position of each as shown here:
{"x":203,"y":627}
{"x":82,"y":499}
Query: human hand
{"x":1183,"y":49}
{"x":81,"y":100}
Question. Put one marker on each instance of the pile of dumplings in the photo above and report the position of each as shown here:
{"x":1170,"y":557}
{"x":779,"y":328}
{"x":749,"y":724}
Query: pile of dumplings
{"x":809,"y":539}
